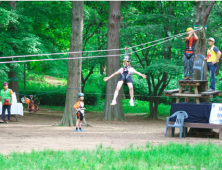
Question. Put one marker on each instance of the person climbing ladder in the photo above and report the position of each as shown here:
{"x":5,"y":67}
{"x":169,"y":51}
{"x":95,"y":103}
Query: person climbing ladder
{"x":125,"y":78}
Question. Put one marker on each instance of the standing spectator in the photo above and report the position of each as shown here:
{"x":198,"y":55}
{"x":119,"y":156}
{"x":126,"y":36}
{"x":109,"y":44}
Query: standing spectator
{"x":213,"y":56}
{"x":6,"y":99}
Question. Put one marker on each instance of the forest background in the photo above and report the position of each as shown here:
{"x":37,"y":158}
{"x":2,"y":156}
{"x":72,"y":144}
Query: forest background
{"x":45,"y":27}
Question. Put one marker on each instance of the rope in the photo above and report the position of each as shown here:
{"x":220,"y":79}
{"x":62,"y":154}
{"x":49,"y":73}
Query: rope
{"x":202,"y":37}
{"x":35,"y":55}
{"x":89,"y":94}
{"x":75,"y":58}
{"x":40,"y":94}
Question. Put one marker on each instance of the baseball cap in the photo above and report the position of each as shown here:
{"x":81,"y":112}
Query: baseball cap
{"x":5,"y":83}
{"x":211,"y":39}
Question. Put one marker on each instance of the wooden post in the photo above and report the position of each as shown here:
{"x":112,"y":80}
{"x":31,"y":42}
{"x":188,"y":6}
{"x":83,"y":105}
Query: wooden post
{"x":220,"y":134}
{"x":169,"y":132}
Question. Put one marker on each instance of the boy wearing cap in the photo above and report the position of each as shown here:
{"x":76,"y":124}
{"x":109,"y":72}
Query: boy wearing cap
{"x":6,"y":99}
{"x":80,"y":109}
{"x":125,"y":78}
{"x":213,"y":56}
{"x":189,"y":53}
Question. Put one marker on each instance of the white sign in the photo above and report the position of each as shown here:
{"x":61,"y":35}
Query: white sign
{"x":216,"y":113}
{"x":14,"y":99}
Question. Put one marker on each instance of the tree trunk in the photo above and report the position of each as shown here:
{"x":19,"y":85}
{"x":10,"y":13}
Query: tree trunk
{"x":202,"y":12}
{"x":24,"y":76}
{"x":74,"y":66}
{"x":13,"y":84}
{"x":113,"y":63}
{"x":12,"y":4}
{"x":154,"y":102}
{"x":218,"y":66}
{"x":101,"y":68}
{"x":12,"y":73}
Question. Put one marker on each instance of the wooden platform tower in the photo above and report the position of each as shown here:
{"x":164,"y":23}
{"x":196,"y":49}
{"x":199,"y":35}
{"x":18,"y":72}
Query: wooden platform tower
{"x":192,"y":89}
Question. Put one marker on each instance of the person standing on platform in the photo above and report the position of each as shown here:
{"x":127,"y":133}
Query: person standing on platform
{"x":6,"y":99}
{"x":189,"y":55}
{"x":213,"y":57}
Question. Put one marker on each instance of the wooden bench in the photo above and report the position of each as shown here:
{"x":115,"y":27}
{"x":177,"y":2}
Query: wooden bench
{"x":215,"y":93}
{"x":172,"y":91}
{"x":170,"y":130}
{"x":193,"y":84}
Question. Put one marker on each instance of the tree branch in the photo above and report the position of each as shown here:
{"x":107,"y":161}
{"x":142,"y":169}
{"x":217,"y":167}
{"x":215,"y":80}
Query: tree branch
{"x":1,"y":3}
{"x":164,"y":85}
{"x":90,"y":72}
{"x":209,"y":8}
{"x":207,"y":13}
{"x":218,"y":66}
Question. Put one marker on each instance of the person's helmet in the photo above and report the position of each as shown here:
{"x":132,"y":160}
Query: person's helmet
{"x":189,"y":29}
{"x":80,"y":95}
{"x":126,"y":58}
{"x":27,"y":100}
{"x":23,"y":99}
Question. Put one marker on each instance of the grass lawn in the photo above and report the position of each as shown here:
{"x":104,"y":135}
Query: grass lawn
{"x":170,"y":156}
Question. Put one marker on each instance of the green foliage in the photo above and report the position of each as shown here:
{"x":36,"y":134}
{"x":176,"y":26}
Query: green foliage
{"x":94,"y":89}
{"x":56,"y":95}
{"x":38,"y":27}
{"x":140,"y":107}
{"x":163,"y":66}
{"x":170,"y":156}
{"x":47,"y":93}
{"x":140,"y":88}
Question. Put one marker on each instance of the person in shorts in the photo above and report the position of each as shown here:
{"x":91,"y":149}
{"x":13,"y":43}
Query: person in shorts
{"x":125,"y":79}
{"x":79,"y":106}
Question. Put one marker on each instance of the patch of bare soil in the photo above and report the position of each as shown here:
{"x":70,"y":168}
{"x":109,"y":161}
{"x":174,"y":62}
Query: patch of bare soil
{"x":36,"y":131}
{"x":52,"y":80}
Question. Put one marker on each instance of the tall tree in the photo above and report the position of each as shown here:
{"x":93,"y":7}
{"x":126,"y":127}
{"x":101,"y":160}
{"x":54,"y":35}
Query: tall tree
{"x":74,"y":66}
{"x":158,"y":20}
{"x":12,"y":74}
{"x":113,"y":63}
{"x":203,"y":9}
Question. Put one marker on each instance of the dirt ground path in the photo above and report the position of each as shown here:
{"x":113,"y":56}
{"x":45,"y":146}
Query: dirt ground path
{"x":36,"y":131}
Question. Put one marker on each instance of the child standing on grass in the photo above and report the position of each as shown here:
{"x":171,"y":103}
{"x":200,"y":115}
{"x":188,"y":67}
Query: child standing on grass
{"x":79,"y":106}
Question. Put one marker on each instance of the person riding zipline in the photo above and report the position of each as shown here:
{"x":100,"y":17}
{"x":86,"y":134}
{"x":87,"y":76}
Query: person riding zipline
{"x":125,"y":78}
{"x":189,"y":53}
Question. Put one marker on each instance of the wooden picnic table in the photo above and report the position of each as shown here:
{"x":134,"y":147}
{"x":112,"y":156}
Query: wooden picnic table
{"x":197,"y":85}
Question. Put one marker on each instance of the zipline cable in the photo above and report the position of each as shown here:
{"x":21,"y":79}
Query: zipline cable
{"x":75,"y":58}
{"x":77,"y":52}
{"x":178,"y":35}
{"x":40,"y":94}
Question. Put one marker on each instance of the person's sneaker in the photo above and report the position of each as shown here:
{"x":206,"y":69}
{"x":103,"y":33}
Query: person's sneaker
{"x":190,"y":78}
{"x":6,"y":121}
{"x":113,"y":102}
{"x":186,"y":78}
{"x":2,"y":121}
{"x":131,"y":103}
{"x":80,"y":130}
{"x":210,"y":90}
{"x":77,"y":130}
